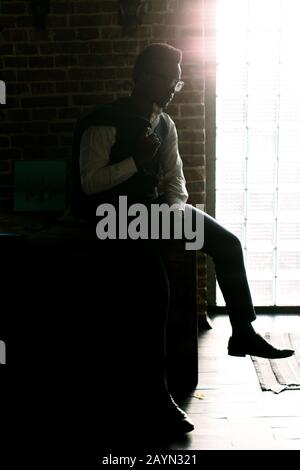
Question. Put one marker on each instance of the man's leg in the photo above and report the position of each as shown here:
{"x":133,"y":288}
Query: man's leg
{"x":226,"y":251}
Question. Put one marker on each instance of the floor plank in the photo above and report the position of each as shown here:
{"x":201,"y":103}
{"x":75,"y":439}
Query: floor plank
{"x":234,"y":414}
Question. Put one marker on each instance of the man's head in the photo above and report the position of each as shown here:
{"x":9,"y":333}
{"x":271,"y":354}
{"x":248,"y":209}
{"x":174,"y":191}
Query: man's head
{"x":157,"y":73}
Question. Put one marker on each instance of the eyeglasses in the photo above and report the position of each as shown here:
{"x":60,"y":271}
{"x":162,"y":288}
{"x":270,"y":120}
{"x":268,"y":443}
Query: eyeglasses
{"x":175,"y":83}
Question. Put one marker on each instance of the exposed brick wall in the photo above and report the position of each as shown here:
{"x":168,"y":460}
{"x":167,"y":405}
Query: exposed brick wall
{"x":83,"y":59}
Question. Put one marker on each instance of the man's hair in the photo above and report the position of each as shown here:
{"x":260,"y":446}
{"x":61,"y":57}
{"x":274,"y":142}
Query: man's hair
{"x":153,"y":54}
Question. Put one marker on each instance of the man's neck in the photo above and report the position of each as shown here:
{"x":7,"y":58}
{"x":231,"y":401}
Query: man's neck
{"x":144,"y":108}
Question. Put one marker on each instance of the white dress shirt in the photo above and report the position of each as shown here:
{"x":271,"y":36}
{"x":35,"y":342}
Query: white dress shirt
{"x":98,"y":175}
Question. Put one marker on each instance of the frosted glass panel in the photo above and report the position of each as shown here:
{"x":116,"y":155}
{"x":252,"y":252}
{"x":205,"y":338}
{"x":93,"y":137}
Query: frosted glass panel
{"x":259,"y":10}
{"x":262,"y":110}
{"x":262,"y":144}
{"x":263,"y":80}
{"x":258,"y":141}
{"x":231,"y":112}
{"x":231,"y":143}
{"x":230,"y":174}
{"x":289,"y":173}
{"x":260,"y":263}
{"x":289,"y":144}
{"x":234,"y":80}
{"x":232,"y":204}
{"x":261,"y":173}
{"x":263,"y":292}
{"x":264,"y":47}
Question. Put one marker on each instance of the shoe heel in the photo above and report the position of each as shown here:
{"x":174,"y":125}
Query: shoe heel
{"x":236,"y":353}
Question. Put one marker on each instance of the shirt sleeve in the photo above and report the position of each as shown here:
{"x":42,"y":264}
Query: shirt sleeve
{"x":173,"y":180}
{"x":96,"y":173}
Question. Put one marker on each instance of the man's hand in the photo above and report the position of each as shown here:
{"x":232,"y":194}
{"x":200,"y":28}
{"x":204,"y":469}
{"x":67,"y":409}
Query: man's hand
{"x":146,"y":149}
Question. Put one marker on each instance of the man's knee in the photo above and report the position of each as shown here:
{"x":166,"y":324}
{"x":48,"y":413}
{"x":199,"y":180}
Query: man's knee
{"x":233,"y":243}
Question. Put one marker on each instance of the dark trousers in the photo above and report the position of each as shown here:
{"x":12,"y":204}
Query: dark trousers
{"x":146,"y":296}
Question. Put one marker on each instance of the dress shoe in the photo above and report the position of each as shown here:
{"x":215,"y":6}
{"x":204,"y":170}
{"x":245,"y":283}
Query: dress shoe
{"x":255,"y":345}
{"x":175,"y":420}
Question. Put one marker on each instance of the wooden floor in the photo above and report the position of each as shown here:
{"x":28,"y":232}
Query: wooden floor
{"x":234,"y":413}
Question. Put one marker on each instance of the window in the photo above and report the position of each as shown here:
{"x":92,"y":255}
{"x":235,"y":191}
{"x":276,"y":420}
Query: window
{"x":258,"y":141}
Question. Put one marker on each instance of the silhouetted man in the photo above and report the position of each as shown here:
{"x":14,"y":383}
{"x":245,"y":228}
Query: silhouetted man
{"x":130,"y":148}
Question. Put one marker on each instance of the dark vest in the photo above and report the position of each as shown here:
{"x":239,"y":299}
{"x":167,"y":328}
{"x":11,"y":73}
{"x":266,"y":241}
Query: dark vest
{"x":142,"y":186}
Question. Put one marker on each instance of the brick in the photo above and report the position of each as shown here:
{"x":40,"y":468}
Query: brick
{"x":159,"y":5}
{"x":65,"y":48}
{"x":92,"y":99}
{"x":115,"y":85}
{"x":190,"y":110}
{"x":91,"y":86}
{"x":196,"y":197}
{"x":23,"y":141}
{"x":101,"y":47}
{"x":83,"y":34}
{"x":13,"y":88}
{"x":5,"y":167}
{"x":10,"y":154}
{"x":4,"y":142}
{"x":125,"y":46}
{"x":42,"y":88}
{"x":111,"y":32}
{"x":124,"y":72}
{"x":57,"y":21}
{"x":190,"y":123}
{"x":6,"y":49}
{"x":47,"y":114}
{"x":40,"y":36}
{"x":109,"y":6}
{"x":69,"y":113}
{"x":14,"y":8}
{"x":26,"y":49}
{"x":6,"y":179}
{"x":62,"y":128}
{"x":44,"y":101}
{"x":66,"y":140}
{"x":95,"y":7}
{"x":18,"y":35}
{"x":91,"y":20}
{"x":62,"y":7}
{"x":187,"y":97}
{"x":18,"y":62}
{"x":41,"y":62}
{"x":64,"y":34}
{"x":194,"y":174}
{"x":193,"y":161}
{"x":41,"y":75}
{"x":23,"y":21}
{"x":10,"y":128}
{"x":8,"y":21}
{"x":89,"y":74}
{"x":163,"y":32}
{"x":154,"y":18}
{"x":18,"y":115}
{"x":67,"y":87}
{"x":195,"y":135}
{"x":195,"y":186}
{"x":192,"y":148}
{"x":90,"y":60}
{"x":47,"y":140}
{"x":37,"y":127}
{"x":66,"y":60}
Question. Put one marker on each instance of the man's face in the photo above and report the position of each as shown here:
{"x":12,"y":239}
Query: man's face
{"x":161,"y":83}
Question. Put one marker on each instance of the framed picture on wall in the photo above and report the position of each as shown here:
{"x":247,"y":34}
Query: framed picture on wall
{"x":40,"y":185}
